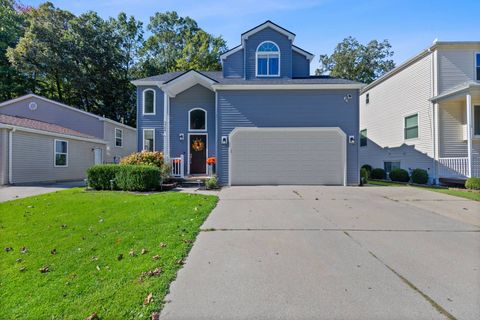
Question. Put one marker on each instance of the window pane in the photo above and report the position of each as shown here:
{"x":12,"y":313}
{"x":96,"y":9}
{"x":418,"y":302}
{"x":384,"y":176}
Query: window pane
{"x":148,"y":140}
{"x":118,"y":133}
{"x":363,"y":138}
{"x":148,"y":101}
{"x":273,"y":66}
{"x":390,"y":165}
{"x":262,"y":66}
{"x":60,"y":159}
{"x":476,"y":120}
{"x":61,"y":146}
{"x":268,"y":47}
{"x":411,"y":121}
{"x":118,"y":142}
{"x":197,"y":120}
{"x":478,"y":73}
{"x":478,"y":59}
{"x":411,"y":133}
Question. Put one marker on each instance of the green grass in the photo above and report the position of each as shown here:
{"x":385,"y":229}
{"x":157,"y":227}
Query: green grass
{"x":89,"y":230}
{"x":467,"y":194}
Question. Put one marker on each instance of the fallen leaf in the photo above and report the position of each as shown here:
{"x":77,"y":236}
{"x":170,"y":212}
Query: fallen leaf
{"x":144,"y":251}
{"x":181,"y":261}
{"x":120,"y":257}
{"x":163,"y":245}
{"x":24,"y":250}
{"x":156,"y":257}
{"x":131,"y":253}
{"x":22,"y":269}
{"x":98,"y":268}
{"x":8,"y":249}
{"x":63,"y":226}
{"x":148,"y":299}
{"x":53,"y":251}
{"x":94,"y":258}
{"x":44,"y":269}
{"x":155,"y":316}
{"x":93,"y":316}
{"x":150,"y":273}
{"x":19,"y":260}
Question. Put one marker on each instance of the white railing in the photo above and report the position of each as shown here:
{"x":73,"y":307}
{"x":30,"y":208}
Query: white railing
{"x":177,"y":167}
{"x":453,"y":167}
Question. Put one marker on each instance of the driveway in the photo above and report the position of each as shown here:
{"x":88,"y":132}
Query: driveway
{"x":332,"y":253}
{"x":21,"y":191}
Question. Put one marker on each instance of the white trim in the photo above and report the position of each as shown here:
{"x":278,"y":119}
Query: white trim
{"x":297,"y":129}
{"x":141,"y":82}
{"x":206,"y":149}
{"x":475,"y":66}
{"x":54,"y":134}
{"x":469,"y":112}
{"x":32,"y":95}
{"x":118,"y":124}
{"x":55,"y":153}
{"x":216,"y":126}
{"x":166,"y":126}
{"x":418,"y":126}
{"x":121,"y":138}
{"x":185,"y":81}
{"x":307,"y":55}
{"x":206,"y":120}
{"x":268,"y":54}
{"x":154,"y":102}
{"x":268,"y":24}
{"x":143,"y":138}
{"x":309,"y":86}
{"x":232,"y":51}
{"x":10,"y":155}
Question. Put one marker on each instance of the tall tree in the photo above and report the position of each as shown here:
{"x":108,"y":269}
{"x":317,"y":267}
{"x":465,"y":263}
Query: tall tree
{"x":12,"y":25}
{"x":355,"y":61}
{"x":178,"y":43}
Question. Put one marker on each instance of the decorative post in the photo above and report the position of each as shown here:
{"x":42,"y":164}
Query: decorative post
{"x":469,"y":134}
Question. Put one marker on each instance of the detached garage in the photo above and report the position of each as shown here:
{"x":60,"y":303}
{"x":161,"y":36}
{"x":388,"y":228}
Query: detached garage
{"x":282,"y":156}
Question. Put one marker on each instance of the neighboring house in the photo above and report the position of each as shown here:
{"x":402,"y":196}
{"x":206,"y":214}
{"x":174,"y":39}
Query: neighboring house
{"x":426,"y":114}
{"x":31,"y":124}
{"x":263,"y":117}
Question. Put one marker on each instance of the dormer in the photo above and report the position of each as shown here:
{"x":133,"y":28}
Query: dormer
{"x":266,"y":52}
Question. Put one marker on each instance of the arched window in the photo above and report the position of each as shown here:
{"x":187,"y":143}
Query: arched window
{"x":149,"y":101}
{"x":268,"y":60}
{"x":197,"y":119}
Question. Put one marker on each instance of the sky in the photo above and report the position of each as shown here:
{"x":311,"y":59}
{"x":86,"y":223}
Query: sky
{"x":319,"y":25}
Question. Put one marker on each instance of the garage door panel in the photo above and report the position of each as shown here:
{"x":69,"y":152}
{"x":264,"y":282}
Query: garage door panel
{"x":287,"y":156}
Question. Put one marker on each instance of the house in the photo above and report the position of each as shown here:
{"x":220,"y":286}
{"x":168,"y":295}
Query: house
{"x":263,"y":117}
{"x":426,"y":114}
{"x":44,"y":140}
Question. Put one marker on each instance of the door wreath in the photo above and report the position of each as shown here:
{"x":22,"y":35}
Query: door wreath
{"x":198,"y":145}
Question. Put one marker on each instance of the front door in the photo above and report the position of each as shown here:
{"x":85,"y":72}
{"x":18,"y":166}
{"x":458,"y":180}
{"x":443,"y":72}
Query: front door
{"x":198,"y":154}
{"x":98,"y":156}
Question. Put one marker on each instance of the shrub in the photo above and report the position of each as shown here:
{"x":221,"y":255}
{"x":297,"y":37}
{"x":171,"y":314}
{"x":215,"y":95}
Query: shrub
{"x":419,"y":176}
{"x":473,"y":183}
{"x":149,"y":158}
{"x":137,"y":178}
{"x":377,"y":173}
{"x":211,"y":183}
{"x":368,"y":168}
{"x":363,"y":175}
{"x":399,"y":175}
{"x":99,"y":176}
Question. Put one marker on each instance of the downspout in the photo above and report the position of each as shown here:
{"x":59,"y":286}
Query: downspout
{"x":435,"y":116}
{"x":10,"y":156}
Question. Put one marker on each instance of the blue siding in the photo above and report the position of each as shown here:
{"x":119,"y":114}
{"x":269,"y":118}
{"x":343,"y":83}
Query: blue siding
{"x":289,"y":108}
{"x":233,"y":65}
{"x":194,"y":97}
{"x":268,"y":34}
{"x":300,"y":65}
{"x":150,"y":121}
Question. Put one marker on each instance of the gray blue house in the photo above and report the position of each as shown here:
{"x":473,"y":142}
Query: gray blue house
{"x":263,"y":117}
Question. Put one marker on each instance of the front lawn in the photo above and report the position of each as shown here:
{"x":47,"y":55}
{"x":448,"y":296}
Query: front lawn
{"x":77,"y":252}
{"x":471,"y":195}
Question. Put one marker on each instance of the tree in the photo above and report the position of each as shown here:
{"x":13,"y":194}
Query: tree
{"x":178,"y":43}
{"x":355,"y":61}
{"x":12,"y":25}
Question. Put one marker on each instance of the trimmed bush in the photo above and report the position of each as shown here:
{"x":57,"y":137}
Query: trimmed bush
{"x":368,"y":168}
{"x":212,"y":183}
{"x":149,"y":158}
{"x":99,"y":176}
{"x":399,"y":175}
{"x":377,"y":173}
{"x":419,"y":176}
{"x":137,"y":178}
{"x":363,"y":175}
{"x":473,"y":183}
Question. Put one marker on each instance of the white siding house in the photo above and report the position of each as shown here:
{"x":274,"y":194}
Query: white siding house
{"x":422,"y":114}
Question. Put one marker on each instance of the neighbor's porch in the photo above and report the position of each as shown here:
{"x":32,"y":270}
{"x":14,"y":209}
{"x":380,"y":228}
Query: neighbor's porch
{"x":458,"y":133}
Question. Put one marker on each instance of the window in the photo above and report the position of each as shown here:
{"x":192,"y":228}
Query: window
{"x":477,"y":65}
{"x":363,"y":138}
{"x":149,"y":101}
{"x":268,"y":60}
{"x":61,"y":153}
{"x":388,"y":166}
{"x":198,"y":119}
{"x":367,"y":98}
{"x":476,"y":120}
{"x":411,"y":126}
{"x":118,"y":137}
{"x":149,"y":139}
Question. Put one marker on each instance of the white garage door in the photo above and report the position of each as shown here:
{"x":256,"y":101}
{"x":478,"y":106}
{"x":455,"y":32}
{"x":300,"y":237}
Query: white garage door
{"x":283,"y":156}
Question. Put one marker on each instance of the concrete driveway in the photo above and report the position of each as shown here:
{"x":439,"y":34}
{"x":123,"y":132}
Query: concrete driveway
{"x":332,"y":253}
{"x":22,"y":191}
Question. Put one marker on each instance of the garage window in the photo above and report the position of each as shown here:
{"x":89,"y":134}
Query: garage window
{"x":61,"y":153}
{"x":390,"y":165}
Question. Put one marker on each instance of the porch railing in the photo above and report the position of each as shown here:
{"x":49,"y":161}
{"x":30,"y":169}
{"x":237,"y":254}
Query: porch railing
{"x":453,"y":167}
{"x":177,"y":165}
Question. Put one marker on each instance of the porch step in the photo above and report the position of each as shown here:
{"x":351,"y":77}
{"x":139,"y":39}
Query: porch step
{"x":191,"y":181}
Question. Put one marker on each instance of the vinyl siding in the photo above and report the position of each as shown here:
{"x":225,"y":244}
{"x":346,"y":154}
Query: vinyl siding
{"x":233,"y":65}
{"x":150,"y":121}
{"x":451,"y":117}
{"x":404,"y":94}
{"x":300,"y":65}
{"x":268,"y":34}
{"x":33,"y":156}
{"x":455,"y":66}
{"x":129,"y":142}
{"x":53,"y":113}
{"x":3,"y":156}
{"x":288,"y":108}
{"x":194,"y":97}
